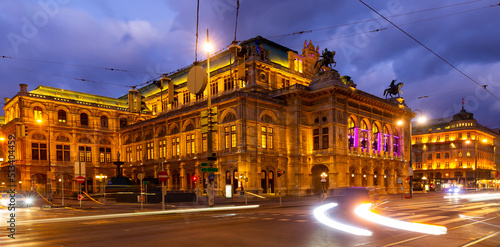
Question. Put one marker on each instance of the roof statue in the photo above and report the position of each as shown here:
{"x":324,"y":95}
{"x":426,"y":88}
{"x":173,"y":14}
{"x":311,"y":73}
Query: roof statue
{"x":326,"y":60}
{"x":393,"y":89}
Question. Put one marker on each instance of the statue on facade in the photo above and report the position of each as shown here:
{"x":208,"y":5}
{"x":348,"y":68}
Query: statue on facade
{"x":394,"y":89}
{"x":326,"y":60}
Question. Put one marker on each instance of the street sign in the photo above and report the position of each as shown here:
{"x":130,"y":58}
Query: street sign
{"x":140,"y":176}
{"x":204,"y":164}
{"x":162,"y":176}
{"x":80,"y":197}
{"x":80,"y":179}
{"x":399,"y":181}
{"x":211,"y":177}
{"x":209,"y":169}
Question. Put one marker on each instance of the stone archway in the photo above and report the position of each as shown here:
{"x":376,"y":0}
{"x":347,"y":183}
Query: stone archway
{"x":316,"y":185}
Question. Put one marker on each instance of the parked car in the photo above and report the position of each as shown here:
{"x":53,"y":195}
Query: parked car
{"x":21,"y":200}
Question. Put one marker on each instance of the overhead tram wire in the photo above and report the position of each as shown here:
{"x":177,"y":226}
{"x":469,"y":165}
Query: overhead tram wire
{"x":358,"y":22}
{"x":431,"y":51}
{"x":414,"y":22}
{"x":76,"y":65}
{"x":62,"y":76}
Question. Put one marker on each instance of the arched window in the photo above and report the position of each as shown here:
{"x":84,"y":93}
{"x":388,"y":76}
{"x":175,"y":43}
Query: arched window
{"x":351,"y":132}
{"x":363,"y":139}
{"x":396,"y":143}
{"x":37,"y":112}
{"x":84,"y":119}
{"x":61,"y":116}
{"x":375,"y":137}
{"x":386,"y":139}
{"x":104,"y":121}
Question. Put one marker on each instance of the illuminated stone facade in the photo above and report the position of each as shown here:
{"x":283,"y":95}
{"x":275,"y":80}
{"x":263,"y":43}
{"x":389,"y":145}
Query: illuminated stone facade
{"x":274,"y":114}
{"x":447,"y":150}
{"x":56,"y":128}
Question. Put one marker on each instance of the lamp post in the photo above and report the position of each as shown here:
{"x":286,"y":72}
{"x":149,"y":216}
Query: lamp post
{"x":49,"y":172}
{"x":323,"y":181}
{"x":210,"y":189}
{"x":421,"y":119}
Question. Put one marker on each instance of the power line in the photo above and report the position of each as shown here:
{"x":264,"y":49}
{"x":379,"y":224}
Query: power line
{"x":358,"y":22}
{"x":418,"y":21}
{"x":427,"y":48}
{"x":76,"y":65}
{"x":62,"y":76}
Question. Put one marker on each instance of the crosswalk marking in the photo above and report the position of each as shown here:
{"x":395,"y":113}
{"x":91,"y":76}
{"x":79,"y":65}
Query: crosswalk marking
{"x":431,"y":219}
{"x":450,"y":221}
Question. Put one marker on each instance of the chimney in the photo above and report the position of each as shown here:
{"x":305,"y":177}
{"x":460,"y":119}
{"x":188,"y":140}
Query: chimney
{"x":134,"y":100}
{"x":24,"y":88}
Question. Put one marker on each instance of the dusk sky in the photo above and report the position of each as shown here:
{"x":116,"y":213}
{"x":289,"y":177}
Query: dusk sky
{"x":42,"y":40}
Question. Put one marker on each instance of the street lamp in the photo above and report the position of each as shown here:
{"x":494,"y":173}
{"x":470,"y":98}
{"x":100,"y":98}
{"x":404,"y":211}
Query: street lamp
{"x":420,"y":120}
{"x":323,"y":181}
{"x":49,"y":172}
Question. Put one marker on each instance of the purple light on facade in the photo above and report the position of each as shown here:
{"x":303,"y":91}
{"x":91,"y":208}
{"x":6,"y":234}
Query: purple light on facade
{"x":356,"y":136}
{"x":379,"y":141}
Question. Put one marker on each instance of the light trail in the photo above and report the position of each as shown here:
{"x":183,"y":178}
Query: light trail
{"x":475,"y":197}
{"x":123,"y":215}
{"x":320,"y":215}
{"x":363,"y":211}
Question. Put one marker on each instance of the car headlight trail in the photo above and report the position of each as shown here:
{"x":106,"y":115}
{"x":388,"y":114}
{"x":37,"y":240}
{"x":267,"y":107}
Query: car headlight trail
{"x":320,"y":215}
{"x":363,"y":211}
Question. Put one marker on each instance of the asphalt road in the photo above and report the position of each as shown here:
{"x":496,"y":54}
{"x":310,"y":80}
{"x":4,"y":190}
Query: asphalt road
{"x":268,"y":225}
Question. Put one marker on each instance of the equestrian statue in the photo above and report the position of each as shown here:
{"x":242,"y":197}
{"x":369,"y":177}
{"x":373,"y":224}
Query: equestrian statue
{"x":394,"y":89}
{"x":326,"y":60}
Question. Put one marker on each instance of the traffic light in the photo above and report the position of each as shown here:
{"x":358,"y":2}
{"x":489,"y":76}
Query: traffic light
{"x":195,"y":178}
{"x":280,"y":173}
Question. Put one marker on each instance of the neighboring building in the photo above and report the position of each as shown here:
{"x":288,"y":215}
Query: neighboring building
{"x":56,"y":128}
{"x":455,"y":151}
{"x":273,"y":114}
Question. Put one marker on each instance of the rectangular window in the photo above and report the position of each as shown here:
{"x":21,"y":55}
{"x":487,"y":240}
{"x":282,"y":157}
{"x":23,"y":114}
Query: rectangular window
{"x":429,"y":157}
{"x":438,"y":164}
{"x":263,"y":131}
{"x":138,"y":152}
{"x":150,"y":150}
{"x":193,"y":150}
{"x":162,"y":151}
{"x":128,"y":152}
{"x":447,"y":165}
{"x":446,"y":155}
{"x":438,"y":156}
{"x":270,"y":138}
{"x":187,"y":98}
{"x":460,"y":165}
{"x":85,"y":154}
{"x":316,"y":139}
{"x":215,"y":88}
{"x":104,"y":155}
{"x":62,"y":153}
{"x":39,"y":151}
{"x":325,"y":138}
{"x":228,"y":84}
{"x":188,"y":144}
{"x":285,"y":82}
